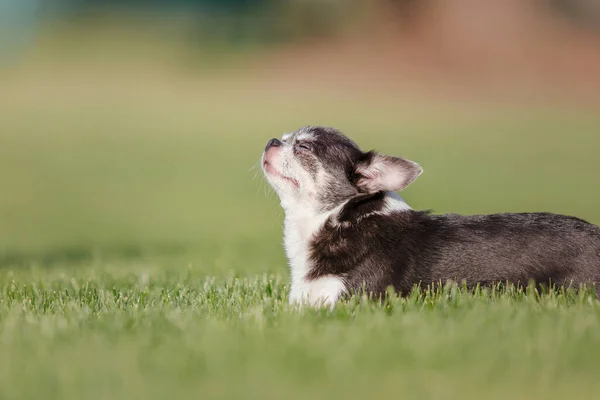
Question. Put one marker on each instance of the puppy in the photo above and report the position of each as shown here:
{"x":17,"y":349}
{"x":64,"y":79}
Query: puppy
{"x":346,"y":229}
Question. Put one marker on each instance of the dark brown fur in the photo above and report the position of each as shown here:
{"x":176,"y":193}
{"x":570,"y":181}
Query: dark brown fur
{"x":406,"y":248}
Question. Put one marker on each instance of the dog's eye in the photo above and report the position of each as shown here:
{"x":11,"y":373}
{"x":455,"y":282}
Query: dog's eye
{"x":304,"y":146}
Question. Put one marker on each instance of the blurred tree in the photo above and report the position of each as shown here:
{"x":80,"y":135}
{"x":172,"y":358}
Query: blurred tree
{"x":408,"y":10}
{"x":583,"y":12}
{"x":18,"y":20}
{"x":237,"y":21}
{"x":220,"y":5}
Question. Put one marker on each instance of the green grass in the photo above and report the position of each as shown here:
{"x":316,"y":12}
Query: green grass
{"x":109,"y":332}
{"x":140,"y":258}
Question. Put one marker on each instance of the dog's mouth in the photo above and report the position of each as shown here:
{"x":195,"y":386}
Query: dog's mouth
{"x":269,"y":169}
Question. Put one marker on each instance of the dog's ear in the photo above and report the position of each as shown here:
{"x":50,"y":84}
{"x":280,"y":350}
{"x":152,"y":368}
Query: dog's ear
{"x":375,"y":172}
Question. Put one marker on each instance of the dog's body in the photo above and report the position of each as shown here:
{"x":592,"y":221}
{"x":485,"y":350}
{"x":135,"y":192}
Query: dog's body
{"x":346,"y":228}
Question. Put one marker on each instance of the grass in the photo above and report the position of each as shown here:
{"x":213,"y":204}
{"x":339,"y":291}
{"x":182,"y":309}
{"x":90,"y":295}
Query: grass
{"x":141,"y":258}
{"x":109,"y":332}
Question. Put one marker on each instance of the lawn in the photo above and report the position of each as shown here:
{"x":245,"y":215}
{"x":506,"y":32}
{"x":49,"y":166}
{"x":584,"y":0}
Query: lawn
{"x":123,"y":330}
{"x":140,"y":249}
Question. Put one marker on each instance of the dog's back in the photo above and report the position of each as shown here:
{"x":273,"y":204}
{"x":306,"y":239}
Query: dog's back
{"x":486,"y":249}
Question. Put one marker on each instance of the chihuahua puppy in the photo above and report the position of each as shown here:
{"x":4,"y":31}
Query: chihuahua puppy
{"x":346,"y":228}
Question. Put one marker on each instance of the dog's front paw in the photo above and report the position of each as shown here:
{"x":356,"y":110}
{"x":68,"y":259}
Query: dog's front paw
{"x":318,"y":293}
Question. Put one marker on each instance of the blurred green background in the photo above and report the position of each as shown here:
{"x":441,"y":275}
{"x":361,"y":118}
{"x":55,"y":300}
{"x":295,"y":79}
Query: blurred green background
{"x":135,"y":128}
{"x":131,"y":198}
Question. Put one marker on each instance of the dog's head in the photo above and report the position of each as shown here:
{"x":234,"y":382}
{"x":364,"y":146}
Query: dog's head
{"x":320,"y":168}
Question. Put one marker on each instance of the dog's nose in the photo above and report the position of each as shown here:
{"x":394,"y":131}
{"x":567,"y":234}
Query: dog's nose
{"x":273,"y":143}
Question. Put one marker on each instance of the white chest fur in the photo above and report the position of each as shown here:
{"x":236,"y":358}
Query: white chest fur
{"x":299,"y":229}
